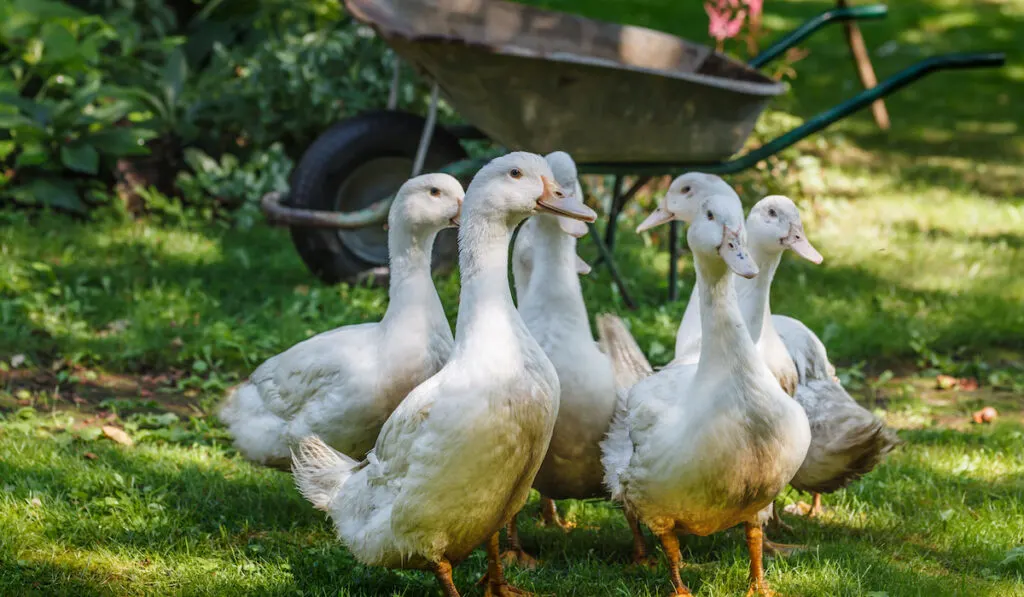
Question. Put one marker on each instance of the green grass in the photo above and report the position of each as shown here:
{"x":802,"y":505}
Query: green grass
{"x":81,"y":516}
{"x":921,"y":232}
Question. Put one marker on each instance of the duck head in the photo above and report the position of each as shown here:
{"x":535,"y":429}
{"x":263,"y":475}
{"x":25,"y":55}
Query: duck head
{"x":518,"y":185}
{"x":774,"y":225}
{"x":564,"y":169}
{"x":717,"y":230}
{"x":428,"y":203}
{"x":683,"y":198}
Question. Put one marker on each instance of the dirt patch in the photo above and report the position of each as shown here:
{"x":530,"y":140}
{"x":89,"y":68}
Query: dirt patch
{"x":95,"y":392}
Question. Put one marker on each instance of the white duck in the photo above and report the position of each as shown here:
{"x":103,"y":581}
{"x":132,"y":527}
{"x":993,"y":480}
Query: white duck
{"x":701,"y":448}
{"x":343,"y":384}
{"x":773,"y":226}
{"x":683,"y":198}
{"x":546,"y":268}
{"x":456,"y":459}
{"x":847,"y":440}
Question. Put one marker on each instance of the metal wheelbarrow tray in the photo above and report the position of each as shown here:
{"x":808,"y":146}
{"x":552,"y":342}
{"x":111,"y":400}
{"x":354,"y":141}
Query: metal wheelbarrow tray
{"x":621,"y":99}
{"x":542,"y":81}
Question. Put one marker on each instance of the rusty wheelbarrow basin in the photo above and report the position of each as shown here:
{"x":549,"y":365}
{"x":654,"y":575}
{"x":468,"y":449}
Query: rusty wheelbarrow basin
{"x":542,"y":81}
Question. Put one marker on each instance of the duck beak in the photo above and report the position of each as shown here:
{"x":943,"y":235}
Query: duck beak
{"x":797,"y":241}
{"x":657,"y":218}
{"x":582,"y":267}
{"x":555,"y":200}
{"x":573,"y":228}
{"x":734,"y":253}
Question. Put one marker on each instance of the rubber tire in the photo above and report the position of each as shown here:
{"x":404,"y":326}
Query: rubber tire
{"x":333,"y":157}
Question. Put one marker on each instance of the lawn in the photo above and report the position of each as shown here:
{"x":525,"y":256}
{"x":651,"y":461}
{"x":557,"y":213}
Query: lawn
{"x":143,"y":326}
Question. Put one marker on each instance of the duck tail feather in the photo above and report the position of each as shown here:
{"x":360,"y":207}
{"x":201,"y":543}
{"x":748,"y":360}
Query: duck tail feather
{"x":320,"y":471}
{"x":629,"y":364}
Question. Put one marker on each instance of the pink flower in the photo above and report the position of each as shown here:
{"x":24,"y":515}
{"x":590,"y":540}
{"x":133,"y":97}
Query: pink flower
{"x":721,"y":24}
{"x":755,"y":7}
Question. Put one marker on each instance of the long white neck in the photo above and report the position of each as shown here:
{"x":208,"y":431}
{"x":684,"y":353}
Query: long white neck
{"x":487,"y":316}
{"x":755,"y":294}
{"x":725,"y":341}
{"x":412,"y":297}
{"x":553,"y":286}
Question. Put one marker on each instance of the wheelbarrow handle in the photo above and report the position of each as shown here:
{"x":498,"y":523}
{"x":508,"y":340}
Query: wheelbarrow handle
{"x":864,"y":98}
{"x":276,"y":213}
{"x":836,"y":15}
{"x":812,"y":125}
{"x":962,"y":61}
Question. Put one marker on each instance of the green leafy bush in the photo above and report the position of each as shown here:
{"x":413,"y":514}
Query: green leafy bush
{"x":121,"y":97}
{"x":234,"y":186}
{"x":64,"y":119}
{"x":292,"y":86}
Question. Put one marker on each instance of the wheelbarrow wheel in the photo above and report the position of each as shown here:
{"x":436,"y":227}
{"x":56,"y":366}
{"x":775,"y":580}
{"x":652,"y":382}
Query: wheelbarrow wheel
{"x":353,"y":164}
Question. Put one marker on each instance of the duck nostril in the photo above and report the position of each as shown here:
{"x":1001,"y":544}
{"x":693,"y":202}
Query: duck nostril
{"x":732,"y":246}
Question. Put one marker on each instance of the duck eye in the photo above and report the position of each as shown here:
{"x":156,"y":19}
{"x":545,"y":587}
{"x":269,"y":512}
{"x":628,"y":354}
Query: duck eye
{"x":771,"y":212}
{"x":515,"y":173}
{"x":686,"y":189}
{"x":435,"y":192}
{"x":711,"y":216}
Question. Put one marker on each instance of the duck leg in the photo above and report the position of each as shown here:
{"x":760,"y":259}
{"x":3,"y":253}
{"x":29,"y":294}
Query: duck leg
{"x":755,"y":537}
{"x":816,"y":508}
{"x":778,"y":549}
{"x":515,"y":555}
{"x":443,"y":573}
{"x":497,"y":586}
{"x":641,"y":557}
{"x":549,"y":514}
{"x":670,"y":543}
{"x":777,"y":521}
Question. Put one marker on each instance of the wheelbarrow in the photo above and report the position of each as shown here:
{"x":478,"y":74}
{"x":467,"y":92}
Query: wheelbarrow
{"x":620,"y":99}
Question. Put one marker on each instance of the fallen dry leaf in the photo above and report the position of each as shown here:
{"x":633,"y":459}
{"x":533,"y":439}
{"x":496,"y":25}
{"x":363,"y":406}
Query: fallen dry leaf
{"x":967,"y":384}
{"x":948,"y":382}
{"x":118,"y":435}
{"x":797,"y":509}
{"x":89,"y":456}
{"x":985,"y":415}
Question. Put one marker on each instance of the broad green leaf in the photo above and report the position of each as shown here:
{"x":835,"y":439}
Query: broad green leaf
{"x":57,"y":193}
{"x":33,"y":51}
{"x":6,"y":149}
{"x":11,"y":121}
{"x":80,"y":157}
{"x":59,"y":45}
{"x":122,"y":141}
{"x":32,"y":154}
{"x":46,"y":10}
{"x":174,"y":74}
{"x":112,"y":111}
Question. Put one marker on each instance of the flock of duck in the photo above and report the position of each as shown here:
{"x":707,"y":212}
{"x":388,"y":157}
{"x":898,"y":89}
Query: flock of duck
{"x":422,"y":446}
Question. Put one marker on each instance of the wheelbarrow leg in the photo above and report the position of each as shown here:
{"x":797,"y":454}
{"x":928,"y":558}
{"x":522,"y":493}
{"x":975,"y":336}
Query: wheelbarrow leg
{"x":619,"y":201}
{"x":606,"y":257}
{"x":613,"y":214}
{"x":427,"y":134}
{"x":864,"y":68}
{"x":673,"y":261}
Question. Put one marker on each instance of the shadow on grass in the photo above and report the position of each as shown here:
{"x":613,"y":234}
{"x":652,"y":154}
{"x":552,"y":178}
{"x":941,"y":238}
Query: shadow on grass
{"x":230,"y":512}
